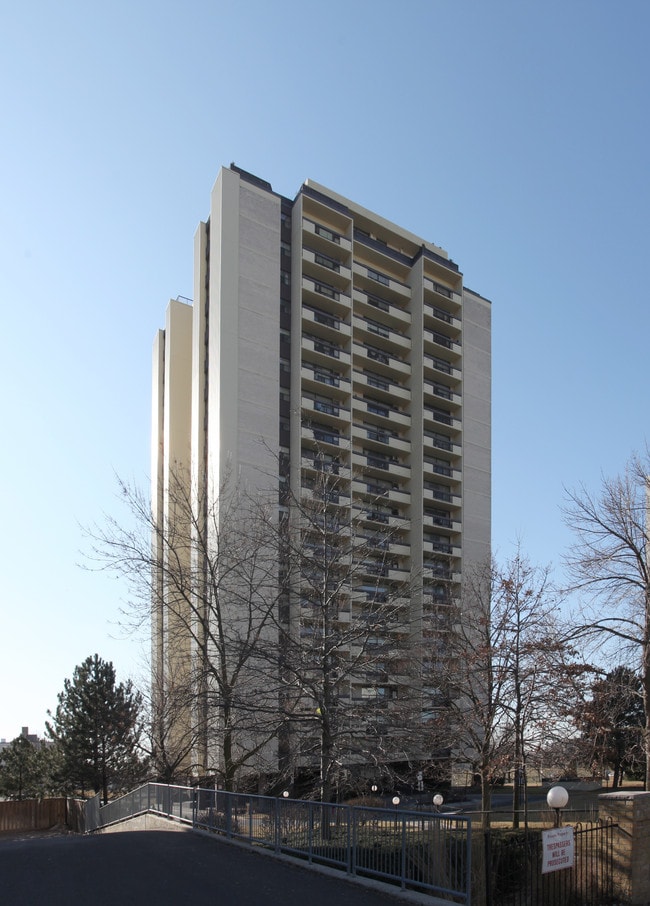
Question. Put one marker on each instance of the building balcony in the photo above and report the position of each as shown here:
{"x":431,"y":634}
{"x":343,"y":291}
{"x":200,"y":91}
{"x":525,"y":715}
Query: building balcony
{"x":434,"y":339}
{"x":440,"y":547}
{"x":384,"y":255}
{"x":443,"y":468}
{"x":324,"y":295}
{"x":381,"y":361}
{"x":399,"y":549}
{"x":442,"y":392}
{"x":326,"y":267}
{"x":438,"y":522}
{"x":325,"y":436}
{"x":325,"y":409}
{"x":323,"y":237}
{"x":442,"y":291}
{"x":316,"y":461}
{"x":440,"y":571}
{"x":325,"y":324}
{"x":433,"y":415}
{"x":380,"y":387}
{"x":377,"y":517}
{"x":336,"y":496}
{"x":396,"y":574}
{"x":438,"y":491}
{"x":372,"y":281}
{"x":378,"y":334}
{"x":433,"y":441}
{"x":370,"y":305}
{"x":436,"y":365}
{"x":315,"y":378}
{"x":321,"y":350}
{"x":373,"y":490}
{"x":381,"y":413}
{"x":383,"y":439}
{"x":436,"y":317}
{"x":376,"y":465}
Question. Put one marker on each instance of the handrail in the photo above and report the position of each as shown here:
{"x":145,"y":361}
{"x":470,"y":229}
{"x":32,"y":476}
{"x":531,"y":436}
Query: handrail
{"x":418,"y":850}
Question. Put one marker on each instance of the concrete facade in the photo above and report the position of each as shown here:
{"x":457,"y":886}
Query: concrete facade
{"x":324,"y":337}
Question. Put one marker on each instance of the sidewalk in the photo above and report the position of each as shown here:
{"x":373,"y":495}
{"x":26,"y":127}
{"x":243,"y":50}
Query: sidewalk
{"x":138,"y":868}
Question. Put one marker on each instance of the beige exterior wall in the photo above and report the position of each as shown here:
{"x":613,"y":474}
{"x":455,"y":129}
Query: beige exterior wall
{"x":477,"y":428}
{"x":243,"y":346}
{"x":172,"y":382}
{"x":382,"y":332}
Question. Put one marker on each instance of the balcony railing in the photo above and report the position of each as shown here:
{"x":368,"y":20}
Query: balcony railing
{"x":439,"y":415}
{"x":439,"y":440}
{"x":438,"y":364}
{"x":321,"y":317}
{"x":326,"y":407}
{"x":327,"y":233}
{"x":382,"y":437}
{"x":441,"y":339}
{"x":439,"y":492}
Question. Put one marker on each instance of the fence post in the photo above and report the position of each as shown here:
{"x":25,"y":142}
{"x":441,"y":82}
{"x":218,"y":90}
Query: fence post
{"x":348,"y":841}
{"x":468,"y":879}
{"x":631,"y":812}
{"x":487,"y":874}
{"x":310,"y":835}
{"x":277,"y":824}
{"x":403,"y":857}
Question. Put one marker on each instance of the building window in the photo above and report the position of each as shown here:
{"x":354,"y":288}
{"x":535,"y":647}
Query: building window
{"x":326,"y":261}
{"x":379,"y":277}
{"x":327,"y":234}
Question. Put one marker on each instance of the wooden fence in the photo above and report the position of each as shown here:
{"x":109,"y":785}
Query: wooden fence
{"x":41,"y":814}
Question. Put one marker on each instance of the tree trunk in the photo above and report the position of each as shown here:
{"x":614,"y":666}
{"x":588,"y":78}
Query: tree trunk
{"x":486,"y":800}
{"x":645,"y":672}
{"x":228,"y":765}
{"x":516,"y":797}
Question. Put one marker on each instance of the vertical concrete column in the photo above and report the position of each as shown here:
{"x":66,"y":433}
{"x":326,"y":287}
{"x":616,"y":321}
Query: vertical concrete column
{"x":631,"y":868}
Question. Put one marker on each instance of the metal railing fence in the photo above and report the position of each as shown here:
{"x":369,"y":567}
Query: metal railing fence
{"x":417,"y":850}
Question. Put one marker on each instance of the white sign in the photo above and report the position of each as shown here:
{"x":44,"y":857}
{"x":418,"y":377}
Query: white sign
{"x":558,"y":849}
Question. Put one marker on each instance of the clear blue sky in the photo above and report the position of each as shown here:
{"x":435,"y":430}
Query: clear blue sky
{"x":514,"y":134}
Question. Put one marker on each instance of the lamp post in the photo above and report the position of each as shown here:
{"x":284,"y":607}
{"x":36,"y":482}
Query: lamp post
{"x":437,"y":801}
{"x":557,"y":797}
{"x":396,"y":802}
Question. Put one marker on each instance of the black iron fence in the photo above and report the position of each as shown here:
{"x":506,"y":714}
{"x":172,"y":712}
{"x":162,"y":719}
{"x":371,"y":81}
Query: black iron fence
{"x":436,"y":853}
{"x":513,"y":869}
{"x":423,"y":851}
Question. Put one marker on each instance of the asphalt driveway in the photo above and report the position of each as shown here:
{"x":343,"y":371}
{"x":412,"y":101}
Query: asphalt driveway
{"x":138,"y":868}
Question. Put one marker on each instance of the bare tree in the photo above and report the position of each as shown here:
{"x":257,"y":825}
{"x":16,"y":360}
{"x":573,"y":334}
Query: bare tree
{"x":171,"y":741}
{"x":509,"y":676}
{"x":609,"y":563}
{"x":344,"y":629}
{"x":204,"y":579}
{"x":541,"y":673}
{"x":474,"y":714}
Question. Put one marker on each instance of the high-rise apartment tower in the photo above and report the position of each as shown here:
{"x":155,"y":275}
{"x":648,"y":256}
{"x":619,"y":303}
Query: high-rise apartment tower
{"x":322,"y":337}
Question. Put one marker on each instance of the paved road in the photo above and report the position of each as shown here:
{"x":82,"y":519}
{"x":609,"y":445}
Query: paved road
{"x":139,"y":868}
